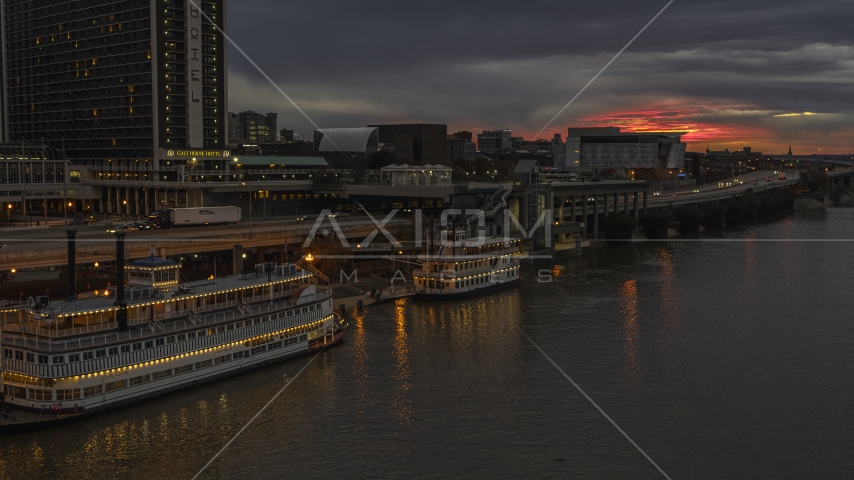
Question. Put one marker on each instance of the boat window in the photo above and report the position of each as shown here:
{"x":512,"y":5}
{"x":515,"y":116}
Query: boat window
{"x":149,"y":344}
{"x":114,"y":350}
{"x":170,"y":339}
{"x":211,"y":331}
{"x":125,"y":348}
{"x":37,"y":394}
{"x":88,"y":355}
{"x":72,"y":394}
{"x":92,"y":391}
{"x":137,"y":346}
{"x":191,"y":335}
{"x":202,"y":333}
{"x":31,"y":357}
{"x":229,"y":327}
{"x":43,"y":359}
{"x":220,"y":329}
{"x":74,"y":357}
{"x":59,"y":359}
{"x":160,"y":341}
{"x":101,"y":353}
{"x":7,"y":352}
{"x":182,"y":337}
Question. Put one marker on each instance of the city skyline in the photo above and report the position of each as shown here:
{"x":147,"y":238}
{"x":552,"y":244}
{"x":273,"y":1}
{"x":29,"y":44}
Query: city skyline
{"x":710,"y":69}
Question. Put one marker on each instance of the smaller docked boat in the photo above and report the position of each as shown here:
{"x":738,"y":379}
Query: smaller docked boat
{"x":462,"y":265}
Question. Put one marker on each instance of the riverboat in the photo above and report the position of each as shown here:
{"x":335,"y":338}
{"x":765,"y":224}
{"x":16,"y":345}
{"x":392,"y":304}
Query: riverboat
{"x":461,"y":265}
{"x":152,"y":336}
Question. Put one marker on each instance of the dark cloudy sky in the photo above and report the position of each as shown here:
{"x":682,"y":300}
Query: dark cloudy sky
{"x":764,"y":73}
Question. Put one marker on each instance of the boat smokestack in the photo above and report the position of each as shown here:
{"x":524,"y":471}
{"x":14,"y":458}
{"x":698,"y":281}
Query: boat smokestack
{"x":72,"y":264}
{"x":122,"y":313}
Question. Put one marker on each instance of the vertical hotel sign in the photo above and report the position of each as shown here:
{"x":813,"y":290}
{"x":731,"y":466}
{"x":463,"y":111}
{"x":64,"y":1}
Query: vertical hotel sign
{"x":194,"y":78}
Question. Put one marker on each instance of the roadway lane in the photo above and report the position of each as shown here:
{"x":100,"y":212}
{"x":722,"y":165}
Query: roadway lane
{"x":20,"y":251}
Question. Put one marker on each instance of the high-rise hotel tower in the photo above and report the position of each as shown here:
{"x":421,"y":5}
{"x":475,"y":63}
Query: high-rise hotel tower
{"x":133,"y":89}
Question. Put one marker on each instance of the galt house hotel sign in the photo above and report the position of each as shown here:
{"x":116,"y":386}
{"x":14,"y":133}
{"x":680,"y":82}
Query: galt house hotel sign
{"x":197,"y":153}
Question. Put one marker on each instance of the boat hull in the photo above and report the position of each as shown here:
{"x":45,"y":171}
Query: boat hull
{"x":468,"y":293}
{"x":30,"y":421}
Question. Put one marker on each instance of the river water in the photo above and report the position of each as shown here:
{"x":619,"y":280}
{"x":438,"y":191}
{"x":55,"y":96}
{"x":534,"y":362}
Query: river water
{"x":723,"y":358}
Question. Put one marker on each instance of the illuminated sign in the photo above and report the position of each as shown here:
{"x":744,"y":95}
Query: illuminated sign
{"x":197,"y":153}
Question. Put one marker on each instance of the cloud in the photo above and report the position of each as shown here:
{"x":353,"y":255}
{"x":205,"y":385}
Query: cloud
{"x":723,"y":68}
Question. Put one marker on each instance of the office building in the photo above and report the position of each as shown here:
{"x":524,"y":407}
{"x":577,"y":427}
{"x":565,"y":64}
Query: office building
{"x":494,"y":141}
{"x":235,"y":130}
{"x":258,"y":128}
{"x":417,"y":142}
{"x":608,"y":147}
{"x":462,"y":135}
{"x":461,"y":148}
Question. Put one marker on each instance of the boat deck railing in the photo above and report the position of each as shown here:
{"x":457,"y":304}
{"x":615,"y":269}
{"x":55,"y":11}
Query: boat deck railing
{"x":217,"y":313}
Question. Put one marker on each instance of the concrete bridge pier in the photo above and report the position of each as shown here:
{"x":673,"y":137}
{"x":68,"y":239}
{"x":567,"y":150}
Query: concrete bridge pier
{"x":604,"y":207}
{"x":635,"y":205}
{"x":584,"y":217}
{"x":572,"y":208}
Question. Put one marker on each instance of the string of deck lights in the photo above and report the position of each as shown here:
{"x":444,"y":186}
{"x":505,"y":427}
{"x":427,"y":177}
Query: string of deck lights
{"x":30,"y":380}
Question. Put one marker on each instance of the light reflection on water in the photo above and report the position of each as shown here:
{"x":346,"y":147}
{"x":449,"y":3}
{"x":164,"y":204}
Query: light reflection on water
{"x":402,"y":406}
{"x":629,"y":310}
